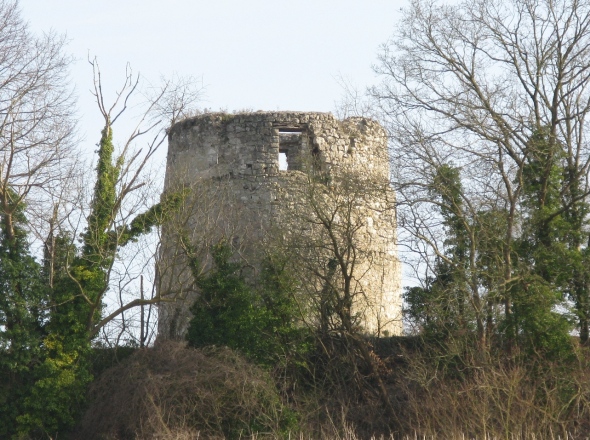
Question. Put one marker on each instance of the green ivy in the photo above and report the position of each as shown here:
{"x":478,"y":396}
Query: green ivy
{"x":258,"y":321}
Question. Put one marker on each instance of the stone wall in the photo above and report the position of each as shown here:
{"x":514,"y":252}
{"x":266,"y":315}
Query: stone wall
{"x":260,"y":181}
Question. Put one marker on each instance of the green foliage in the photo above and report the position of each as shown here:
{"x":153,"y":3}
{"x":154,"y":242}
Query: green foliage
{"x":45,"y":382}
{"x":464,"y":292}
{"x":540,"y":329}
{"x":144,"y":222}
{"x":59,"y":389}
{"x":23,"y":300}
{"x":258,"y":322}
{"x":441,"y":307}
{"x":543,"y":263}
{"x":96,"y":238}
{"x":433,"y":308}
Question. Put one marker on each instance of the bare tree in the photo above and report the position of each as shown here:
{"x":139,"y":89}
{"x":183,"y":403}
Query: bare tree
{"x":36,"y":116}
{"x":333,"y":236}
{"x":469,"y":85}
{"x":339,"y":239}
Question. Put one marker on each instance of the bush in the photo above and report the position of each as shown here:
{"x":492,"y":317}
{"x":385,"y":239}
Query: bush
{"x":171,"y":391}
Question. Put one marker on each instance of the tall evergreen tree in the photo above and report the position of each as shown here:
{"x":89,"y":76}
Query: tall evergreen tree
{"x":23,"y":314}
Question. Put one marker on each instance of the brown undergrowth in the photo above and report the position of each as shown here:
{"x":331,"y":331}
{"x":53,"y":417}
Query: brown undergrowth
{"x":468,"y":393}
{"x":173,"y":392}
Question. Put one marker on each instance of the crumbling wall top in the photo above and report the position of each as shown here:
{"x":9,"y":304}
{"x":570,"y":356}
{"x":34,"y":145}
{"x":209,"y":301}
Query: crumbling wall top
{"x":278,"y":117}
{"x":263,"y":144}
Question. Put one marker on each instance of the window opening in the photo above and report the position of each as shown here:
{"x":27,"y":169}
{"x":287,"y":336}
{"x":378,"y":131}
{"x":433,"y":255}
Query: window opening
{"x":316,"y":160}
{"x":290,"y":130}
{"x":290,"y":139}
{"x":283,"y":160}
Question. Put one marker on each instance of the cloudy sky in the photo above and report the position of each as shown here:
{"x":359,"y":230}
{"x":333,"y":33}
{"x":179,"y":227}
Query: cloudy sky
{"x":249,"y":54}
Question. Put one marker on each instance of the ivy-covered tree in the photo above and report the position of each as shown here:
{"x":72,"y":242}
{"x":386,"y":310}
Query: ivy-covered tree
{"x":450,"y":301}
{"x":542,"y":258}
{"x":52,"y":311}
{"x":462,"y":295}
{"x":501,"y":90}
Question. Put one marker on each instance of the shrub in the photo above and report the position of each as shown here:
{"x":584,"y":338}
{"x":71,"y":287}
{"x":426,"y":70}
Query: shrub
{"x":259,"y":321}
{"x":171,"y":388}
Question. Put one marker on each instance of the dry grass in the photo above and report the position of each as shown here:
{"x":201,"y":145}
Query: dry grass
{"x":349,"y":434}
{"x":475,"y":397}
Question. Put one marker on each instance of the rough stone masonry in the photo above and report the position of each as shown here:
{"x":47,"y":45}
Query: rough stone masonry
{"x":305,"y":184}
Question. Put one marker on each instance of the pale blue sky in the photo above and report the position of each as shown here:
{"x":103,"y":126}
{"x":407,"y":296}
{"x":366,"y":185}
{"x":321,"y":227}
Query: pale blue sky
{"x":255,"y":54}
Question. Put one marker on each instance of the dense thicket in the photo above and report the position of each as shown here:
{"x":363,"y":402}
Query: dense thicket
{"x":171,"y":391}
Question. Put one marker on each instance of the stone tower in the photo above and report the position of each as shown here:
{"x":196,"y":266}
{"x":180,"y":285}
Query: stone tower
{"x":266,"y":180}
